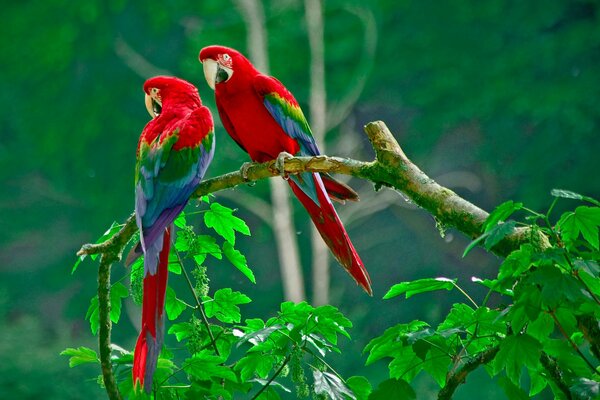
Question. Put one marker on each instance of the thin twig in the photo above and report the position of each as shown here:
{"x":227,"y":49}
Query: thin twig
{"x":199,"y":305}
{"x":571,"y":342}
{"x":272,"y":378}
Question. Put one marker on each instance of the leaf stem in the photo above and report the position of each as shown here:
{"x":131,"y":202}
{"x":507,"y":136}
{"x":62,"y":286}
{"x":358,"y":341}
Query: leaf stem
{"x":199,"y":306}
{"x":465,"y":294}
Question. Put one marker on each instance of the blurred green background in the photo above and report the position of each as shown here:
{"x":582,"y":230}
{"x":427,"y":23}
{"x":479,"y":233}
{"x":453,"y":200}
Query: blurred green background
{"x":496,"y":99}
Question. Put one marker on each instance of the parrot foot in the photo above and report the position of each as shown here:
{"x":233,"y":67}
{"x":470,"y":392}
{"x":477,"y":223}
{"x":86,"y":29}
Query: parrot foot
{"x":244,"y":170}
{"x":280,"y":163}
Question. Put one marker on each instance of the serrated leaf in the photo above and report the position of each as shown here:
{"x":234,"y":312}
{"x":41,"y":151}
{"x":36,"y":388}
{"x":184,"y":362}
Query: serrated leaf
{"x":181,"y":330}
{"x":567,"y":194}
{"x":537,"y":383}
{"x":224,"y":305}
{"x":92,"y":315}
{"x":174,"y":265}
{"x":498,"y":232}
{"x":205,"y":245}
{"x":173,"y":306}
{"x":405,"y":365}
{"x":118,"y":291}
{"x":500,"y":213}
{"x":259,"y":336}
{"x":180,"y":221}
{"x":222,"y":220}
{"x":331,"y":385}
{"x":80,"y":355}
{"x":515,"y":352}
{"x":585,"y":221}
{"x":238,"y":260}
{"x":516,"y":262}
{"x":420,"y":286}
{"x":556,"y":286}
{"x":393,"y":389}
{"x":204,"y":366}
{"x":360,"y":386}
{"x":255,"y":363}
{"x":436,"y":364}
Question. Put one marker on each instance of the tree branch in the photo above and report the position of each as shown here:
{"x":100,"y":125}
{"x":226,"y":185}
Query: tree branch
{"x":104,"y":342}
{"x":390,"y":168}
{"x":458,"y":377}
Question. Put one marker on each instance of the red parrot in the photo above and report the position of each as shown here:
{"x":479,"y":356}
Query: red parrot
{"x":264,"y":119}
{"x":173,"y":153}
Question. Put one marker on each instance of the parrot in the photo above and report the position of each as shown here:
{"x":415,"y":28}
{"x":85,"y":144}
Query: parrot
{"x":173,"y":153}
{"x":266,"y":121}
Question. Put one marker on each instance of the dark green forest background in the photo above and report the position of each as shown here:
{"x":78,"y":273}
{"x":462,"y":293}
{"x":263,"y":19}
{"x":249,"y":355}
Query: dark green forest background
{"x":497,"y":100}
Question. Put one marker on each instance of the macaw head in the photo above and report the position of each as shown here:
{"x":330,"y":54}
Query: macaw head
{"x":165,"y":91}
{"x":222,"y":63}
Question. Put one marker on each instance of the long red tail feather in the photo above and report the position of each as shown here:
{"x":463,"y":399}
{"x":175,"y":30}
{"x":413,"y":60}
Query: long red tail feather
{"x":150,"y":341}
{"x":333,"y":232}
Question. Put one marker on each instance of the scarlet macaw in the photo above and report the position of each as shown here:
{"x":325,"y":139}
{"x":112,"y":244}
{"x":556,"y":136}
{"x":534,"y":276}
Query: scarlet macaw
{"x":264,"y":119}
{"x":173,"y":153}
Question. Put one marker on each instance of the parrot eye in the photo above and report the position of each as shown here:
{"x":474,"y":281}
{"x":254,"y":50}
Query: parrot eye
{"x":225,"y":60}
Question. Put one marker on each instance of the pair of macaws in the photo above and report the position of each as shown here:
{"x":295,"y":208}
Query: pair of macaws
{"x":175,"y":149}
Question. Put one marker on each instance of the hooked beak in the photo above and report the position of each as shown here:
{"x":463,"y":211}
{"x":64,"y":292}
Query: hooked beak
{"x":153,"y":104}
{"x":215,"y":73}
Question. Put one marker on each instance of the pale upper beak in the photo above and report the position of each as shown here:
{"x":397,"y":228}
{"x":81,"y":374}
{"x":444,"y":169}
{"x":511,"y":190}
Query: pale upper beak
{"x":215,"y":73}
{"x":153,"y":103}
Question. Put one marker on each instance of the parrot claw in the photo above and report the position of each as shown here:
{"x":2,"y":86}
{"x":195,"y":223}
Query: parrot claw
{"x":244,"y":170}
{"x":280,"y":163}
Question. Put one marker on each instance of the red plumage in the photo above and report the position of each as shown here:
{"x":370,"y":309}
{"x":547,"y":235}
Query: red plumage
{"x":264,"y":118}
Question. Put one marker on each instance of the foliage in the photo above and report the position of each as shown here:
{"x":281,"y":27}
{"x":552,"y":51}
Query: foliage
{"x":542,"y":324}
{"x":546,"y":304}
{"x":227,"y":356}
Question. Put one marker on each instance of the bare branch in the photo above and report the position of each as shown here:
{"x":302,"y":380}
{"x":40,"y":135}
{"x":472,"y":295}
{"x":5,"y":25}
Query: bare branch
{"x":135,"y":61}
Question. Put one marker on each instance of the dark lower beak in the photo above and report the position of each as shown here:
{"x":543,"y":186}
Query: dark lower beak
{"x":222,"y":75}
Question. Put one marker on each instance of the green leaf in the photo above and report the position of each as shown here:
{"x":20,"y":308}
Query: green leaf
{"x":420,"y":286}
{"x":224,"y":305}
{"x":180,"y":221}
{"x":330,"y":323}
{"x":393,"y":389}
{"x":516,"y":263}
{"x":567,"y":194}
{"x":360,"y":386}
{"x":204,"y":366}
{"x":173,"y":306}
{"x":331,"y":385}
{"x":76,"y":265}
{"x":538,"y":382}
{"x":500,"y":213}
{"x":474,"y":243}
{"x":205,"y":245}
{"x":436,"y":364}
{"x":222,"y":220}
{"x":498,"y":232}
{"x":92,"y":315}
{"x":80,"y":355}
{"x":515,"y":352}
{"x":585,"y":221}
{"x":255,"y":363}
{"x":238,"y":260}
{"x":556,"y":286}
{"x":405,"y":365}
{"x":118,"y":291}
{"x":181,"y":330}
